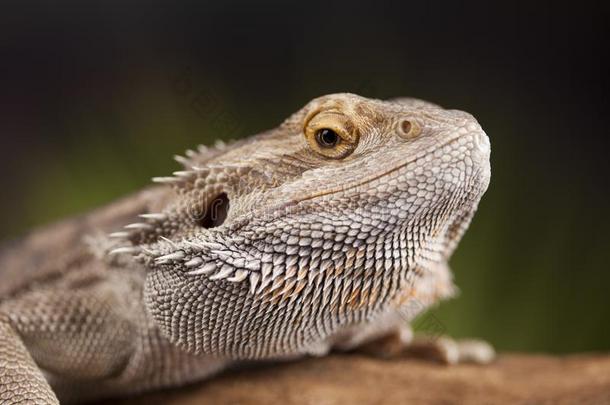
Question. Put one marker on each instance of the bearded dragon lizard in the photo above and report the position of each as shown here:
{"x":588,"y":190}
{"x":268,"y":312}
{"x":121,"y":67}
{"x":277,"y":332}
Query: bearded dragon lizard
{"x":311,"y":236}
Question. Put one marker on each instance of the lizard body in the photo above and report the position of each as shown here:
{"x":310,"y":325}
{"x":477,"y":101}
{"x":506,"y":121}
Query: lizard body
{"x":315,"y":235}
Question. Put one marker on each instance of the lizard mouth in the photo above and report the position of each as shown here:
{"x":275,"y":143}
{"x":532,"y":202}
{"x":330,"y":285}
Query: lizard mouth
{"x":285,"y":208}
{"x":370,"y":179}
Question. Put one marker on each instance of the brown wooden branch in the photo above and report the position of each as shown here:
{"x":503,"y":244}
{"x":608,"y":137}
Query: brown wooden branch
{"x":356,"y":379}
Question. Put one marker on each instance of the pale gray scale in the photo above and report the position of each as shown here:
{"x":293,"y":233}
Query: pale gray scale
{"x":404,"y":247}
{"x":295,"y":231}
{"x":336,"y":291}
{"x":358,"y":243}
{"x":317,"y":243}
{"x":328,"y":244}
{"x":336,"y":255}
{"x":291,"y":271}
{"x":360,"y":257}
{"x":342,"y":229}
{"x":346,"y":290}
{"x":305,"y":233}
{"x":397,"y":252}
{"x":328,"y":227}
{"x":349,"y":240}
{"x":356,"y":218}
{"x":313,"y":305}
{"x":316,"y":261}
{"x":387,"y":242}
{"x":278,"y":259}
{"x":291,"y":240}
{"x":353,"y":232}
{"x":318,"y":234}
{"x":297,"y":339}
{"x":362,"y":235}
{"x":304,"y":241}
{"x":371,"y":250}
{"x":292,"y":250}
{"x":283,"y":238}
{"x":292,"y":260}
{"x":388,"y":263}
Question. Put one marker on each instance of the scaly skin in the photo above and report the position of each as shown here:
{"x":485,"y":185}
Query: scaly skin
{"x":288,"y":243}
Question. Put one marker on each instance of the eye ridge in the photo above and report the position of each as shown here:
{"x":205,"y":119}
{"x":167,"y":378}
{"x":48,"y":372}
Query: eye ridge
{"x":327,"y":138}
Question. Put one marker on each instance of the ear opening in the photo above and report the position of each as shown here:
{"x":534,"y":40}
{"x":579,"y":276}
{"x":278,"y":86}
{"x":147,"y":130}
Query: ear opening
{"x":216,"y":212}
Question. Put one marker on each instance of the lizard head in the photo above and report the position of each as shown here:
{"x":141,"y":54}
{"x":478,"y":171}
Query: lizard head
{"x":275,"y":242}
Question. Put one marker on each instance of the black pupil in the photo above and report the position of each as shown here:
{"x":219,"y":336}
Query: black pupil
{"x":327,"y":137}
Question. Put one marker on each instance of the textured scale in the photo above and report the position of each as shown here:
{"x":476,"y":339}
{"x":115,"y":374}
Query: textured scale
{"x":269,"y":247}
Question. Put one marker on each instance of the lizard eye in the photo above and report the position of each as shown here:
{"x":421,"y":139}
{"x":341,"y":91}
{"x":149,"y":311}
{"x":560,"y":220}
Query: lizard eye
{"x":331,"y":134}
{"x":327,"y":138}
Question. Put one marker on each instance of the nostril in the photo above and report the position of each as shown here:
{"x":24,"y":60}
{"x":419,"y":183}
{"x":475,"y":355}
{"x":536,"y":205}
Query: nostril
{"x":408,"y":129}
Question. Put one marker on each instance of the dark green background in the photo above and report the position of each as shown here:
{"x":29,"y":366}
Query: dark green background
{"x":97,"y":97}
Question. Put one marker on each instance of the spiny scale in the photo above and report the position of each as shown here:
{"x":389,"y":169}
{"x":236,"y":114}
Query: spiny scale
{"x":125,"y":249}
{"x":138,"y":232}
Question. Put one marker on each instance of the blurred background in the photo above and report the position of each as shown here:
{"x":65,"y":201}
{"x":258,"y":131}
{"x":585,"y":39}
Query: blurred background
{"x":96,"y":97}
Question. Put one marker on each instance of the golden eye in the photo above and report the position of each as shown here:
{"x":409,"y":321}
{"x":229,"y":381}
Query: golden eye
{"x":331,"y":134}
